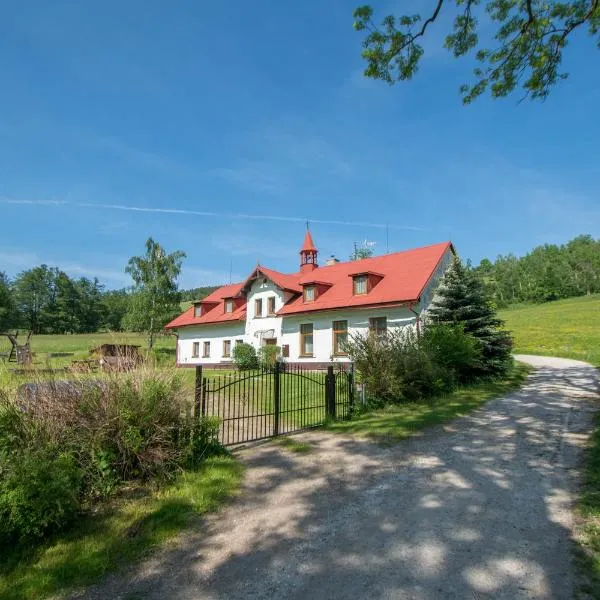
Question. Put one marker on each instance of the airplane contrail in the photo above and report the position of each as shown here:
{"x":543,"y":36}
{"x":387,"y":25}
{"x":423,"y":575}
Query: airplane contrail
{"x":212,"y":214}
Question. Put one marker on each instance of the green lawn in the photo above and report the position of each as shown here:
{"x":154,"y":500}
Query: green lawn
{"x":568,"y":328}
{"x":125,"y":530}
{"x":398,"y":421}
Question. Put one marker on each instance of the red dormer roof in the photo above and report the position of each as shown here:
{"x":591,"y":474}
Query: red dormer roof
{"x":308,"y":245}
{"x":404,"y":276}
{"x":281,"y":280}
{"x":216,"y":314}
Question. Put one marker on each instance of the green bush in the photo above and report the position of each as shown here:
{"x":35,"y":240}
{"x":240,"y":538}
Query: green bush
{"x":458,"y":354}
{"x":244,"y":357}
{"x":268,"y":356}
{"x":65,"y":445}
{"x":40,"y":491}
{"x":404,"y":366}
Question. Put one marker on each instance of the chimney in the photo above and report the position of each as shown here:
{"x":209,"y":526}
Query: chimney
{"x":332,"y":260}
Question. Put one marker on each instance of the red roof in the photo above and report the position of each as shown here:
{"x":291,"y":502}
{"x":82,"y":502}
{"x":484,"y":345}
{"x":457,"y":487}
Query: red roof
{"x":308,"y":244}
{"x":281,"y":280}
{"x":217,"y":314}
{"x":404,"y":276}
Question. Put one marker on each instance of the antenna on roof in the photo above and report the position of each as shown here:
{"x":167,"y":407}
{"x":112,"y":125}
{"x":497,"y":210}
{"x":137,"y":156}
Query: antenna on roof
{"x":307,"y":225}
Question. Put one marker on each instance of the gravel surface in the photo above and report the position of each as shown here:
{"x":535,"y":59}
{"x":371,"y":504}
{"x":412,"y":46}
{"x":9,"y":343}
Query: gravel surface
{"x":478,"y":508}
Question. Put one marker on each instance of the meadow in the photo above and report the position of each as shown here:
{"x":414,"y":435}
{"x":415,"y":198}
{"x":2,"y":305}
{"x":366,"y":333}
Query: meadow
{"x":568,"y":328}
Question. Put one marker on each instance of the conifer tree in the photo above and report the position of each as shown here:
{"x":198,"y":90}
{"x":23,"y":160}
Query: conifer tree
{"x":461,"y":298}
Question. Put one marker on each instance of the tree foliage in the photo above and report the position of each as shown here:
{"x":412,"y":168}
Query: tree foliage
{"x":7,"y":304}
{"x":526,"y":51}
{"x":548,"y":272}
{"x":156,"y":298}
{"x":461,"y":299}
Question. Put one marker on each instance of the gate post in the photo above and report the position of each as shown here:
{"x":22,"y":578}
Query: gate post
{"x":276,"y":397}
{"x":350,"y":389}
{"x":330,"y":394}
{"x":198,"y":393}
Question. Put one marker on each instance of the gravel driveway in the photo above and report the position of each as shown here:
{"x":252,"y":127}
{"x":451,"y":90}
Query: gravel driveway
{"x":479,"y":508}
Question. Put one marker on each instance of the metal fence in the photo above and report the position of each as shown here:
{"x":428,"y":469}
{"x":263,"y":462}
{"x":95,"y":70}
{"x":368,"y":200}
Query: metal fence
{"x":253,"y":405}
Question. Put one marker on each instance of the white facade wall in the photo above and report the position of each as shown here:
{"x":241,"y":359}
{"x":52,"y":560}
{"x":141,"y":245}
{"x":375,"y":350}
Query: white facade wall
{"x":258,"y":328}
{"x":358,"y":323}
{"x":286,"y":330}
{"x":215,"y":334}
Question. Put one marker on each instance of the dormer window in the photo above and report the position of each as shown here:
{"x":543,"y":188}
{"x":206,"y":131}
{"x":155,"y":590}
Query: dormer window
{"x":310,"y":293}
{"x":228,"y":306}
{"x":197,"y":311}
{"x":360,"y":285}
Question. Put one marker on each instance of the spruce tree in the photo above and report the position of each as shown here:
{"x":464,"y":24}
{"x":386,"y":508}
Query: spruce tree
{"x":461,"y":298}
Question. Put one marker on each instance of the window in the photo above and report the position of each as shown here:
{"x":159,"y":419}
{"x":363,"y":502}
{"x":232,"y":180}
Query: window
{"x":195,"y":349}
{"x":360,"y":285}
{"x":197,"y":311}
{"x":309,"y":293}
{"x":238,"y":342}
{"x":306,"y":339}
{"x":340,"y":337}
{"x":226,"y":348}
{"x":378,"y":326}
{"x":271,"y":305}
{"x":258,"y":307}
{"x":206,"y":350}
{"x":285,"y":350}
{"x":228,"y":306}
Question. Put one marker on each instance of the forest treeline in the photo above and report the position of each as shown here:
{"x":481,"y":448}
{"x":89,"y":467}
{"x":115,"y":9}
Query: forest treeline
{"x":46,"y":300}
{"x":548,"y":272}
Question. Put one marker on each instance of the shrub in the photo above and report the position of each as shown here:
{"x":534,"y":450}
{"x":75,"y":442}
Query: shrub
{"x":40,"y":491}
{"x":64,"y":445}
{"x":453,"y":350}
{"x":268,"y":356}
{"x":402,"y":365}
{"x":244,"y":357}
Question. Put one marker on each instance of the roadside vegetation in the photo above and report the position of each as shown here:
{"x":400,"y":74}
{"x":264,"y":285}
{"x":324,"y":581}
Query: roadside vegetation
{"x":588,"y":529}
{"x":95,"y":472}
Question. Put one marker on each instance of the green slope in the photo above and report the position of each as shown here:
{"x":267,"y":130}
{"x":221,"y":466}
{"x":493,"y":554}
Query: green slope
{"x":568,"y":328}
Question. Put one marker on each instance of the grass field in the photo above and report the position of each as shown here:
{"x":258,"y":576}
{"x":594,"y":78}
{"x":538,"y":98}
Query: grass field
{"x":124,"y":531}
{"x":79,"y":345}
{"x":568,"y":328}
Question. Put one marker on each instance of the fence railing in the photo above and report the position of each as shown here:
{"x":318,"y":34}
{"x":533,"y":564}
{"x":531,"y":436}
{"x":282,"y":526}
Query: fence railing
{"x":253,"y":405}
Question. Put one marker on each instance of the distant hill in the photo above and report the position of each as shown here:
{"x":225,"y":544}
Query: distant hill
{"x":569,"y":328}
{"x":198,"y":293}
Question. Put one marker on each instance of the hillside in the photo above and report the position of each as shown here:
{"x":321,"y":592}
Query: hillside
{"x":568,"y":328}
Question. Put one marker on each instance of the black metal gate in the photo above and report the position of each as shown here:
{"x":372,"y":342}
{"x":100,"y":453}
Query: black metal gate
{"x":253,"y":405}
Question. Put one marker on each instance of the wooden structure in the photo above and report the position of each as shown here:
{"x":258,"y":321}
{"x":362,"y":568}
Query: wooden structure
{"x":19,"y":353}
{"x":117,"y":357}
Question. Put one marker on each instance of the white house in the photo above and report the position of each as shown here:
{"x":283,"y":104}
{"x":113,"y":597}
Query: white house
{"x":309,"y":314}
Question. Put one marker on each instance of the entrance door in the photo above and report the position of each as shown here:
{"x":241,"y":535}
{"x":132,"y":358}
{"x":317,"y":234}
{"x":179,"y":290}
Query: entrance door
{"x":270,"y":341}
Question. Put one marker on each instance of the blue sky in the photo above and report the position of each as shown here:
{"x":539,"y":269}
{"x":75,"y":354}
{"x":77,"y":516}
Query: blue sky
{"x":245,"y":119}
